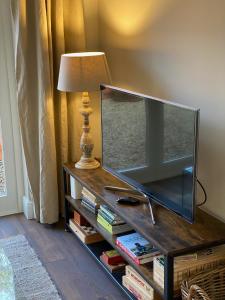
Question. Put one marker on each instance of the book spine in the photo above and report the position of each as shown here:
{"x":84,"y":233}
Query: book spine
{"x":106,"y":227}
{"x":88,"y":194}
{"x":110,"y":220}
{"x":93,"y":210}
{"x":105,"y":216}
{"x":92,"y":204}
{"x":138,"y":279}
{"x":140,"y":295}
{"x":113,"y":229}
{"x":90,"y":199}
{"x":104,"y":221}
{"x":127,"y":252}
{"x":112,"y":215}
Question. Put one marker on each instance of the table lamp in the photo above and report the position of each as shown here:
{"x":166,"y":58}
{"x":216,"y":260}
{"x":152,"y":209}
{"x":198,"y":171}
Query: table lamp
{"x":83,"y":72}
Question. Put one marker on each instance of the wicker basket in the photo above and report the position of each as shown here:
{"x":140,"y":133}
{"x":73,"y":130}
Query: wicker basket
{"x":209,"y":285}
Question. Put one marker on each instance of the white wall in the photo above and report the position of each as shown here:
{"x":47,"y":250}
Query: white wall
{"x":176,"y":50}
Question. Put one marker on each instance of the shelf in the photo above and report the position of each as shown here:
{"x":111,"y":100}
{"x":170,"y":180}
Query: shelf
{"x":172,"y":235}
{"x":96,"y":250}
{"x":146,"y":270}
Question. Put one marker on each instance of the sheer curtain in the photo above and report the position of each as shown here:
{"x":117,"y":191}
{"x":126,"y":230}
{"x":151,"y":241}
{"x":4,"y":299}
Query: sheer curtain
{"x":43,"y":30}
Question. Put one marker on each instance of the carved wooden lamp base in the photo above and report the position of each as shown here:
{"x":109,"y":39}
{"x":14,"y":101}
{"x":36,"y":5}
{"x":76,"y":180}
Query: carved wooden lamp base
{"x":87,"y":163}
{"x":86,"y":144}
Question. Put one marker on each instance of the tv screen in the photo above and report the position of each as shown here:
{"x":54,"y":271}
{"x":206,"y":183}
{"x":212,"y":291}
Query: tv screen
{"x":151,"y":144}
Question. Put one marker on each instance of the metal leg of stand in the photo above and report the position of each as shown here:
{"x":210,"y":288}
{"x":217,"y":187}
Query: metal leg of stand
{"x":151,"y":212}
{"x":168,"y":278}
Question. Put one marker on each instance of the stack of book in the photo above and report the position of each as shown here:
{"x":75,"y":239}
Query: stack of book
{"x":113,"y":261}
{"x":137,"y":285}
{"x":110,"y":221}
{"x":89,"y":201}
{"x":139,"y":249}
{"x":188,"y":265}
{"x":83,"y":230}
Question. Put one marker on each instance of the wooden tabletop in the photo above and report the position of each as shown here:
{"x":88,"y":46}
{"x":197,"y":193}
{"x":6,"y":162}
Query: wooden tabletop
{"x":171,"y":233}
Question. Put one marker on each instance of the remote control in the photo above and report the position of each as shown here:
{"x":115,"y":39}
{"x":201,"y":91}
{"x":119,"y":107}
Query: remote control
{"x":128,"y":200}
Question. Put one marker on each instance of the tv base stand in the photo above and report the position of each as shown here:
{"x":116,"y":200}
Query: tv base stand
{"x":146,"y":199}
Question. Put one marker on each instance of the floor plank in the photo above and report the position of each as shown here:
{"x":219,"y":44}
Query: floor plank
{"x":75,"y":273}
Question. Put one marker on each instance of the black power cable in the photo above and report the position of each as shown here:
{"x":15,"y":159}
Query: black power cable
{"x":204,"y":192}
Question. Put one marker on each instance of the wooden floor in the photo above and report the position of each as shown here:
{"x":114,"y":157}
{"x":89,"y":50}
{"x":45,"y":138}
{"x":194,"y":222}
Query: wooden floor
{"x":73,"y":270}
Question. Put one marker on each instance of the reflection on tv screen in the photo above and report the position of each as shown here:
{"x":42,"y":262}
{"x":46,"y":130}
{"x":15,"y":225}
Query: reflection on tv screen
{"x":151,"y":144}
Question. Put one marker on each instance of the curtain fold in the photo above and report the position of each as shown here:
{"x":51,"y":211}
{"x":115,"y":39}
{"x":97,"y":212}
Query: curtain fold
{"x":43,"y":30}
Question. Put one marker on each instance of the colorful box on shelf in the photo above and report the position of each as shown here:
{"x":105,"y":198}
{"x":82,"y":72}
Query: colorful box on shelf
{"x":79,"y":219}
{"x":113,"y":261}
{"x":87,"y":235}
{"x":112,"y":257}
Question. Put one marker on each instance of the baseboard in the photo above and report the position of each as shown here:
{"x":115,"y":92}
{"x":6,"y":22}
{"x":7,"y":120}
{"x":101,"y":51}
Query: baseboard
{"x":28,"y":208}
{"x":9,"y":212}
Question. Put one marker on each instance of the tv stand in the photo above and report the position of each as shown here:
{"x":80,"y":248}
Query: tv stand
{"x":146,"y":200}
{"x":172,"y":235}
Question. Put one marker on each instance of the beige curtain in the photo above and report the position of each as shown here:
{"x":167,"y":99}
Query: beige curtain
{"x":43,"y":30}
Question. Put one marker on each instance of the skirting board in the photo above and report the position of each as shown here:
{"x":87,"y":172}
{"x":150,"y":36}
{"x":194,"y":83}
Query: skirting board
{"x":28,"y":208}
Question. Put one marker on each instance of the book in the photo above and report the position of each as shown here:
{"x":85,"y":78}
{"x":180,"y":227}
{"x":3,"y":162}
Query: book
{"x":112,"y":224}
{"x":137,"y":279}
{"x":118,"y":268}
{"x":88,"y":194}
{"x":79,"y":219}
{"x":87,"y":234}
{"x":138,"y":248}
{"x":138,"y":261}
{"x":90,"y":203}
{"x":75,"y":188}
{"x":91,"y":200}
{"x":113,"y":229}
{"x":112,"y":257}
{"x":110,"y":213}
{"x":110,"y":220}
{"x":89,"y":207}
{"x":139,"y":293}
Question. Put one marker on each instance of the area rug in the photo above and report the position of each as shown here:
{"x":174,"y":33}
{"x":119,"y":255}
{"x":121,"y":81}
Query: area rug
{"x":32,"y":282}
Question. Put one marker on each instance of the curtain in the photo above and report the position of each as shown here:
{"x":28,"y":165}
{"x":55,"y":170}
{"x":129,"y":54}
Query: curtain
{"x":43,"y":30}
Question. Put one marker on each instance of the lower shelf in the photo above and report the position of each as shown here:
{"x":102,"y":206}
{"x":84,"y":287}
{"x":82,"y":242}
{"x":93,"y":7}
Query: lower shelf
{"x":146,"y":270}
{"x":96,"y":250}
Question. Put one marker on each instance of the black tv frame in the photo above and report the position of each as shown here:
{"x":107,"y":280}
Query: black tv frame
{"x":139,"y":187}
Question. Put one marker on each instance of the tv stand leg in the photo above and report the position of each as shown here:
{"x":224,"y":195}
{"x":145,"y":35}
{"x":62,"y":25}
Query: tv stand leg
{"x":168,"y":277}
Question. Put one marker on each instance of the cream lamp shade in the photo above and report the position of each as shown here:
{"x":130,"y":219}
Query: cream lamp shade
{"x":83,"y":72}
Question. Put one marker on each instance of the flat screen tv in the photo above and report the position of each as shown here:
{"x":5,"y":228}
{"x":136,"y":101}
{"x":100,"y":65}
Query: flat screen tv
{"x":151,"y":144}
